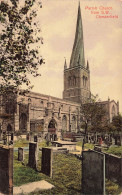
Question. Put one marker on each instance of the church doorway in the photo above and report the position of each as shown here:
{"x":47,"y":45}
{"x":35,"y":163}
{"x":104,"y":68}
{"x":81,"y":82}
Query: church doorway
{"x":9,"y":128}
{"x":52,"y":130}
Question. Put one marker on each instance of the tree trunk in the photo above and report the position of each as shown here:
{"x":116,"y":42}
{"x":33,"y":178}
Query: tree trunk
{"x":86,"y":127}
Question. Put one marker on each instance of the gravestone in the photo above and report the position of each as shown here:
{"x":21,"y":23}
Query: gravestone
{"x":12,"y":138}
{"x":27,"y":137}
{"x":20,"y":154}
{"x":33,"y":154}
{"x":4,"y":138}
{"x":113,"y":141}
{"x":93,"y":172}
{"x":35,"y":138}
{"x":47,"y":156}
{"x":6,"y":170}
{"x":97,"y":148}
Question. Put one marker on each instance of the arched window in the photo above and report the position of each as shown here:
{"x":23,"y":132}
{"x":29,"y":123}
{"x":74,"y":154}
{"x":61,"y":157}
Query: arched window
{"x":113,"y":111}
{"x":10,"y":107}
{"x":64,"y":123}
{"x":73,"y":123}
{"x":83,"y":80}
{"x":74,"y":80}
{"x":69,"y":81}
{"x":23,"y":122}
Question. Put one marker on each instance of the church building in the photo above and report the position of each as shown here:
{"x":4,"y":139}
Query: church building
{"x":35,"y":112}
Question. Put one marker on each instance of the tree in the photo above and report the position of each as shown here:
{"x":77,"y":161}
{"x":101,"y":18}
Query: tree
{"x":117,"y":123}
{"x":94,"y":115}
{"x":20,"y":41}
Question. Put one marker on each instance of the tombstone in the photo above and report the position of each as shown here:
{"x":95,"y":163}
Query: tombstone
{"x":8,"y":138}
{"x":27,"y":137}
{"x":55,"y":137}
{"x":47,"y":156}
{"x":4,"y":138}
{"x":20,"y":154}
{"x":35,"y":138}
{"x":12,"y":137}
{"x":93,"y":172}
{"x":89,"y":139}
{"x":97,"y":148}
{"x":33,"y":154}
{"x":113,"y":141}
{"x":6,"y":170}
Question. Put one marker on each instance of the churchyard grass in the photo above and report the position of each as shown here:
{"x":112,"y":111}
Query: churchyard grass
{"x":112,"y":188}
{"x":116,"y":150}
{"x":86,"y":146}
{"x":21,"y":143}
{"x":25,"y":143}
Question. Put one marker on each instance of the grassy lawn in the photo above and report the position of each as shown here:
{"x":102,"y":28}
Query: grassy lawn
{"x":116,"y":150}
{"x":25,"y":143}
{"x":112,"y":188}
{"x":21,"y":143}
{"x":86,"y":146}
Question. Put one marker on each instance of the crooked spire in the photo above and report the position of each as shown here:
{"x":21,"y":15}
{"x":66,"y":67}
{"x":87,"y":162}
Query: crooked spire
{"x":77,"y":57}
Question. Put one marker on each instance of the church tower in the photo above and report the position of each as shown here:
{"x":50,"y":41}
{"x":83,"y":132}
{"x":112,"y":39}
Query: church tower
{"x":77,"y":76}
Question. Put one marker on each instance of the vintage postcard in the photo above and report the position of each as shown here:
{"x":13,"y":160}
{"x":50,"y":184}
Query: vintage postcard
{"x":64,"y":135}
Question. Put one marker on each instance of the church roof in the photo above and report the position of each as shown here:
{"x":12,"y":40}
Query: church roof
{"x":77,"y":57}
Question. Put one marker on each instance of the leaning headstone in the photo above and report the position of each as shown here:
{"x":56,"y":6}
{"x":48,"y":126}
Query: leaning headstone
{"x":93,"y":172}
{"x":20,"y":154}
{"x":6,"y":170}
{"x":33,"y":154}
{"x":47,"y":156}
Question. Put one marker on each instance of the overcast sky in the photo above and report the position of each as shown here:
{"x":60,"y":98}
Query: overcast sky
{"x":102,"y":43}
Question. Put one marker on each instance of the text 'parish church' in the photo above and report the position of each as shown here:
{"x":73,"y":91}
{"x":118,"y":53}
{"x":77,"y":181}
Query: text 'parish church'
{"x":34,"y":112}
